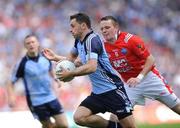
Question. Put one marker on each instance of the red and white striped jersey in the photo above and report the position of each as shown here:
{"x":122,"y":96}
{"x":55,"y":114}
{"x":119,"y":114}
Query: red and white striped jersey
{"x":127,"y":55}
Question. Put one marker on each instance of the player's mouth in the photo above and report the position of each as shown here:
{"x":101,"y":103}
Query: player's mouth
{"x":31,"y":48}
{"x":106,"y":35}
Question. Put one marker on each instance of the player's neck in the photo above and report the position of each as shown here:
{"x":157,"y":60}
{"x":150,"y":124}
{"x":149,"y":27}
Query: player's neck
{"x":85,"y":33}
{"x":112,"y":41}
{"x":32,"y":54}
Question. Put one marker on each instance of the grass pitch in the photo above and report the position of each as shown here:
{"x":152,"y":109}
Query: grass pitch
{"x":159,"y":126}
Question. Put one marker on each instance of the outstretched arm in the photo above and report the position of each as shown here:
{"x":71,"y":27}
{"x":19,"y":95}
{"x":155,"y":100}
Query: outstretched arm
{"x":49,"y":54}
{"x":148,"y":65}
{"x":139,"y":49}
{"x":132,"y":82}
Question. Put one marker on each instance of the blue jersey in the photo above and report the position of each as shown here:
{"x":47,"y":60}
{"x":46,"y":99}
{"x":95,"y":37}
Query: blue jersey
{"x":104,"y":78}
{"x":36,"y":78}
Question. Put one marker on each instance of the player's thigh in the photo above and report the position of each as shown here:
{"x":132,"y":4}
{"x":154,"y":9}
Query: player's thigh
{"x":81,"y":112}
{"x":170,"y":100}
{"x":61,"y":120}
{"x":47,"y":124}
{"x":176,"y":108}
{"x":116,"y":102}
{"x":135,"y":95}
{"x":128,"y":122}
{"x":155,"y":86}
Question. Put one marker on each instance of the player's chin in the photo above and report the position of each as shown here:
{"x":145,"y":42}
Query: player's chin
{"x":106,"y":37}
{"x":32,"y":51}
{"x":74,"y":36}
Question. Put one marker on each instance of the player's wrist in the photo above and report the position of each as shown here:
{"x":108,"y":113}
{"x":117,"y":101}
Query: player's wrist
{"x":58,"y":58}
{"x":73,"y":73}
{"x":140,"y":76}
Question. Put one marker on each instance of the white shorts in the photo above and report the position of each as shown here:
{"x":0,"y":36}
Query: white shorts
{"x":152,"y":87}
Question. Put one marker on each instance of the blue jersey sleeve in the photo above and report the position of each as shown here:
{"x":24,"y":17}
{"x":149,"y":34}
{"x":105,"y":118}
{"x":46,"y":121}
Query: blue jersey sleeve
{"x":74,"y":50}
{"x":18,"y":71}
{"x":94,"y":47}
{"x":50,"y":66}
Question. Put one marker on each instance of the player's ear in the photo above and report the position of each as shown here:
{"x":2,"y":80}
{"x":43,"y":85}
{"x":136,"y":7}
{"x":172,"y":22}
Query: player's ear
{"x":83,"y":25}
{"x":25,"y":45}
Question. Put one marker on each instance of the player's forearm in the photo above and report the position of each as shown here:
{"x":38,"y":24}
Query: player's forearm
{"x":70,"y":57}
{"x":85,"y":69}
{"x":78,"y":63}
{"x":59,"y":58}
{"x":82,"y":70}
{"x":148,"y":65}
{"x":10,"y":90}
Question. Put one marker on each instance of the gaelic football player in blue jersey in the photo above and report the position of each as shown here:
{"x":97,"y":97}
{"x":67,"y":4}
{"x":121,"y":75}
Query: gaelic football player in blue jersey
{"x":108,"y":93}
{"x":37,"y":75}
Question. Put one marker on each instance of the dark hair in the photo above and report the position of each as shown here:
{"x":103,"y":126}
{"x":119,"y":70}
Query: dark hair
{"x":81,"y":18}
{"x":113,"y":19}
{"x":30,"y":35}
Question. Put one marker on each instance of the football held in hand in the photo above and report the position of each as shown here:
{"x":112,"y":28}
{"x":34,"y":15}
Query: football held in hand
{"x":67,"y":65}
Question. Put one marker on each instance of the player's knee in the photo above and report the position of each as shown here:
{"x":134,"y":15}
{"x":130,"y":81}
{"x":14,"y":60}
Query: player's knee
{"x":80,"y":120}
{"x":61,"y":126}
{"x":128,"y":125}
{"x":114,"y":118}
{"x":47,"y":125}
{"x":128,"y":122}
{"x":177,"y":108}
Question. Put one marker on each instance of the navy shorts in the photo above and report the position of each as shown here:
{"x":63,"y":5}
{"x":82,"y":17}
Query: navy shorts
{"x":45,"y":111}
{"x":115,"y":101}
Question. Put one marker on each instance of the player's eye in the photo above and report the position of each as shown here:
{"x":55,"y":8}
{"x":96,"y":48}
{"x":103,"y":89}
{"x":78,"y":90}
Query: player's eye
{"x":107,"y":27}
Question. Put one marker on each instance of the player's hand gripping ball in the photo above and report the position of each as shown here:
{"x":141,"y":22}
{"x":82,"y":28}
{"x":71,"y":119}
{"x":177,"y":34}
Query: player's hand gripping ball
{"x":65,"y":64}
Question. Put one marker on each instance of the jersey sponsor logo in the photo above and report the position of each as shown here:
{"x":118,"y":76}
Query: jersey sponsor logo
{"x":116,"y":52}
{"x":121,"y":65}
{"x":120,"y":111}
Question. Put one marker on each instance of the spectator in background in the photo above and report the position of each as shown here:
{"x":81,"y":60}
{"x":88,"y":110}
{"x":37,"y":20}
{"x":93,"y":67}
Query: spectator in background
{"x":20,"y":17}
{"x":36,"y":72}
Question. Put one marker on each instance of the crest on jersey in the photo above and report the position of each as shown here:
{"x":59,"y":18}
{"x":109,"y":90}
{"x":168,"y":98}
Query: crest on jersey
{"x":116,"y":53}
{"x":124,"y":51}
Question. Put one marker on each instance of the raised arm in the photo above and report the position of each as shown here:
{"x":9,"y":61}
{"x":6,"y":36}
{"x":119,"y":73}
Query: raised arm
{"x":49,"y":54}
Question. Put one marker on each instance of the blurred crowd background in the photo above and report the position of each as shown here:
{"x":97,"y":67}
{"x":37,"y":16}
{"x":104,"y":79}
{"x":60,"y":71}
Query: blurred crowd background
{"x":156,"y":21}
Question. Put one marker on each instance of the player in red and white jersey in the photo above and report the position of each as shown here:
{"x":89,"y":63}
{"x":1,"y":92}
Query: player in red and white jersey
{"x":131,"y":59}
{"x":128,"y":55}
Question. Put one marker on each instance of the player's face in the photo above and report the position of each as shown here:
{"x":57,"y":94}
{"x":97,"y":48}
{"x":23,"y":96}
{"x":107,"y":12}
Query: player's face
{"x":108,"y":30}
{"x":76,"y":29}
{"x":32,"y":45}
